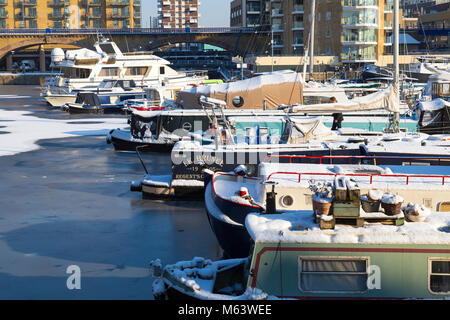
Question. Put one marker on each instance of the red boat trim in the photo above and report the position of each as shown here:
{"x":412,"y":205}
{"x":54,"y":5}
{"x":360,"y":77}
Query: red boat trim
{"x":227,"y":200}
{"x":320,"y":158}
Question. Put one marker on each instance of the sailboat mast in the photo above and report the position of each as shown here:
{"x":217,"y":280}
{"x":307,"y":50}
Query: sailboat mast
{"x":311,"y":44}
{"x":396,"y":41}
{"x":396,"y":61}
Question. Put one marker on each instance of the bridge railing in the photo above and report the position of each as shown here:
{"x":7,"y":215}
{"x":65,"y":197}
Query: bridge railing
{"x":130,"y":31}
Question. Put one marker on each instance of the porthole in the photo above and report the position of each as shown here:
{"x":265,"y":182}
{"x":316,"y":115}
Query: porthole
{"x":287,"y":201}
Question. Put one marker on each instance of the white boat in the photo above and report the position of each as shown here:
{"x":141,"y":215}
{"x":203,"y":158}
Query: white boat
{"x":394,"y":248}
{"x":286,"y":187}
{"x":112,"y":86}
{"x":427,"y":66}
{"x":86,"y":69}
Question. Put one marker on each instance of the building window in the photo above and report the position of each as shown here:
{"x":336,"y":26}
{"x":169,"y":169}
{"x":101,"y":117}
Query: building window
{"x":97,"y":23}
{"x":32,"y":24}
{"x":333,"y":274}
{"x":328,"y":16}
{"x":439,"y":275}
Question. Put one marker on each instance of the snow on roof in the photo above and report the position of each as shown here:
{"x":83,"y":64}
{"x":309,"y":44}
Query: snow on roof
{"x":319,"y":172}
{"x":249,"y":84}
{"x":299,"y":227}
{"x":433,"y":105}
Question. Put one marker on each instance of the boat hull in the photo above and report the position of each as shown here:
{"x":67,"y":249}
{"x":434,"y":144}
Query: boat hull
{"x":74,"y":109}
{"x":227,"y":221}
{"x":124,"y":143}
{"x":60,"y":100}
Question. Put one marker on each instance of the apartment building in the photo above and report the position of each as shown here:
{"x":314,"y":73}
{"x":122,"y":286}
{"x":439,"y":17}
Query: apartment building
{"x":356,"y":31}
{"x":178,"y":13}
{"x":250,"y":13}
{"x":72,"y":14}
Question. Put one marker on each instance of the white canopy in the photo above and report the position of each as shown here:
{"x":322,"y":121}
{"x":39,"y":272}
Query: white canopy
{"x":82,"y":54}
{"x":387,"y":98}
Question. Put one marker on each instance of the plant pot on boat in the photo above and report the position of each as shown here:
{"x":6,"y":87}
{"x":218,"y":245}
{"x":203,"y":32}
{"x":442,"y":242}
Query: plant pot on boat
{"x":391,"y":203}
{"x":370,"y":202}
{"x":323,"y":196}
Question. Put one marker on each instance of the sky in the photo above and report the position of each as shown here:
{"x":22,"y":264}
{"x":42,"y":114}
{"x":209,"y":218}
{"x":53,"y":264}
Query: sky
{"x":214,"y":13}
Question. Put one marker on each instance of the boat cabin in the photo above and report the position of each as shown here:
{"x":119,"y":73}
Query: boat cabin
{"x":440,"y":90}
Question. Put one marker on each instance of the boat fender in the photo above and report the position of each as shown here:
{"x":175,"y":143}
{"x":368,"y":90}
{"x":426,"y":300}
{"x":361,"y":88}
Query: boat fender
{"x":207,"y":176}
{"x":136,"y":186}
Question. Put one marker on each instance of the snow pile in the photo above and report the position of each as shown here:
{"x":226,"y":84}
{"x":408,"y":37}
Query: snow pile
{"x":158,"y":287}
{"x":25,"y":130}
{"x":375,"y":195}
{"x":389,"y":198}
{"x":318,"y":198}
{"x":281,"y":228}
{"x":254,"y":294}
{"x":416,"y":212}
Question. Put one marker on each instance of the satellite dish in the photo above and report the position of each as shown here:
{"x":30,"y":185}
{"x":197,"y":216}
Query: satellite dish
{"x":238,"y":101}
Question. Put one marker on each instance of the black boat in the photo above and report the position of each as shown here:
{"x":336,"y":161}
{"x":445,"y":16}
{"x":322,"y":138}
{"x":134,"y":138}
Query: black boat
{"x":371,"y":72}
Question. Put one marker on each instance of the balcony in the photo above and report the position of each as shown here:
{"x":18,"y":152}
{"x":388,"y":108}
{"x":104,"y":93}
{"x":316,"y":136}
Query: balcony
{"x":28,"y":15}
{"x":253,"y":9}
{"x":57,"y":3}
{"x":92,"y":3}
{"x":56,"y":16}
{"x":123,"y":15}
{"x":298,"y":9}
{"x":298,"y":25}
{"x":25,"y":3}
{"x":277,"y":28}
{"x":360,"y":3}
{"x":119,"y":3}
{"x":277,"y":12}
{"x":3,"y":2}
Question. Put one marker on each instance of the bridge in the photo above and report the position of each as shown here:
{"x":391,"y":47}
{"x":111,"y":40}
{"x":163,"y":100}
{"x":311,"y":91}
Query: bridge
{"x":239,"y":41}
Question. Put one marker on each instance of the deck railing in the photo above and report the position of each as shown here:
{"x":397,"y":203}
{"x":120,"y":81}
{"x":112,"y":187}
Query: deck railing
{"x":369,"y":175}
{"x":377,"y":159}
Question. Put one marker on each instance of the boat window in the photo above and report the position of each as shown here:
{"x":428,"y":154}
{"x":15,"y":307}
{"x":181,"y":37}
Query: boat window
{"x":153,"y":95}
{"x":79,"y":73}
{"x":107,"y":48}
{"x":445,"y":89}
{"x":444,"y":206}
{"x":162,"y":70}
{"x":238,"y":101}
{"x":263,"y":135}
{"x":439,"y":275}
{"x":136,"y":71}
{"x":106,"y":84}
{"x":107,"y":72}
{"x":315,"y":100}
{"x":326,"y":274}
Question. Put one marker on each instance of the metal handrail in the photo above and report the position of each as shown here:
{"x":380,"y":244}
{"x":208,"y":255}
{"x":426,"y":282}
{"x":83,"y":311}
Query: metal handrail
{"x":410,"y":159}
{"x":371,"y":176}
{"x":130,"y":30}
